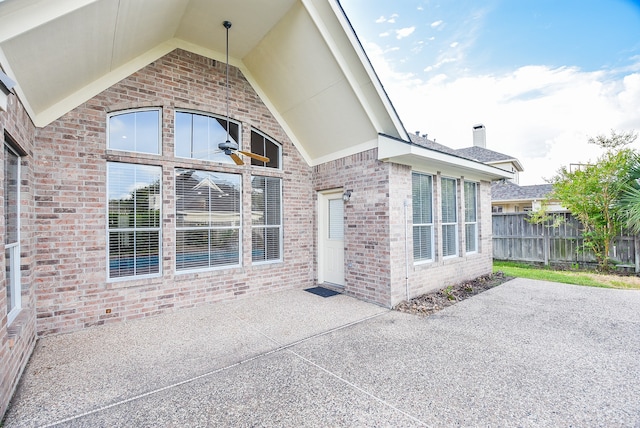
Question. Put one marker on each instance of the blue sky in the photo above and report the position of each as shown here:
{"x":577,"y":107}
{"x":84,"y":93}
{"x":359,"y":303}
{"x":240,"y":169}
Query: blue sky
{"x":543,"y":76}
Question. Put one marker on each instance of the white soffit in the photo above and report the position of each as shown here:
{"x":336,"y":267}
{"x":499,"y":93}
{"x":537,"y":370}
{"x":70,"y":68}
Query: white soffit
{"x":432,"y":161}
{"x":300,"y":56}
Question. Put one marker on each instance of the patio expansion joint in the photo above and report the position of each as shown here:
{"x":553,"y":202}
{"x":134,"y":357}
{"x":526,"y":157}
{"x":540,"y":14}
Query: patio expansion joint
{"x":279,"y":347}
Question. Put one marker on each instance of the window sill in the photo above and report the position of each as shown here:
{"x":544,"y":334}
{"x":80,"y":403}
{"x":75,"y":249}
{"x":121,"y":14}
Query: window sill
{"x":14,"y":330}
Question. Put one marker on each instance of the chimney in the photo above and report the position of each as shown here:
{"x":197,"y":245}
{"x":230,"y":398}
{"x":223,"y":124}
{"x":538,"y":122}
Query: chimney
{"x":480,"y":136}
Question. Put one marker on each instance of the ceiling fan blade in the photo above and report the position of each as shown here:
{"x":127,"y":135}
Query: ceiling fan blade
{"x":236,"y":159}
{"x":255,"y":156}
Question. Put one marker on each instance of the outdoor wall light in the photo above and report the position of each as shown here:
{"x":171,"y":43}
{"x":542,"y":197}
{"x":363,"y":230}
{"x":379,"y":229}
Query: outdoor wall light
{"x":346,"y":196}
{"x":6,"y":84}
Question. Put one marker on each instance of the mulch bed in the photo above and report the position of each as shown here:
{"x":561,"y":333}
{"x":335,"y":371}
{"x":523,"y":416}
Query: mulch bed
{"x":439,"y":299}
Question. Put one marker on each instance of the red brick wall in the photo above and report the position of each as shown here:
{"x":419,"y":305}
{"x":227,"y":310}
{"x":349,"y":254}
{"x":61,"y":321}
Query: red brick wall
{"x":73,"y":291}
{"x":18,"y":339}
{"x":379,"y":264}
{"x":366,"y":239}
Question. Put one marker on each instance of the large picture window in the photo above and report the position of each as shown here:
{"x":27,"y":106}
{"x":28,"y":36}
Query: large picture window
{"x":208,"y":219}
{"x":12,"y":232}
{"x":471,"y":216}
{"x":449,"y":217}
{"x":198,"y":135}
{"x":266,"y":219}
{"x":135,"y":200}
{"x":265,"y":146}
{"x":422,"y":201}
{"x":135,"y":131}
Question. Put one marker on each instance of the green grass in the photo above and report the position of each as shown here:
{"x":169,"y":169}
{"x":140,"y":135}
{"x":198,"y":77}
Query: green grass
{"x":522,"y":270}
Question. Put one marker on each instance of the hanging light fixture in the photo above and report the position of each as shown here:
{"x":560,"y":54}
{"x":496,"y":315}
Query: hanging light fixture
{"x":229,"y":147}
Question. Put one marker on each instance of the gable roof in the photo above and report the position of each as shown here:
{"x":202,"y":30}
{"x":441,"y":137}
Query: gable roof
{"x":509,"y":191}
{"x":487,"y":156}
{"x":301,"y":56}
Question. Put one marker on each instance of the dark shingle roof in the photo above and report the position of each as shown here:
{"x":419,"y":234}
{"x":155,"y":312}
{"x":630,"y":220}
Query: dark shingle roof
{"x":424,"y":142}
{"x":483,"y":155}
{"x":508,"y":191}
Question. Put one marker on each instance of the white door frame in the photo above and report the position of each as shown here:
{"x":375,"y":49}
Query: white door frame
{"x":323,"y":224}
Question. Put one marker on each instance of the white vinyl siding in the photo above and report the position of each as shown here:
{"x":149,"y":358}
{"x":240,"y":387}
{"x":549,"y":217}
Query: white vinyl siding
{"x":135,"y":200}
{"x":266,"y":219}
{"x":471,"y":216}
{"x":449,"y":217}
{"x":422,"y":201}
{"x":208,"y":219}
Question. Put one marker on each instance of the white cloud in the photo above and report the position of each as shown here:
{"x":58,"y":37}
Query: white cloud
{"x":385,"y":34}
{"x":454,"y":44}
{"x":543,"y":116}
{"x":436,"y":24}
{"x":404,"y":32}
{"x":381,"y":20}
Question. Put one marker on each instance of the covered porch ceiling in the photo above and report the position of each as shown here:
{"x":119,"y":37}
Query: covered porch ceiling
{"x":301,"y":56}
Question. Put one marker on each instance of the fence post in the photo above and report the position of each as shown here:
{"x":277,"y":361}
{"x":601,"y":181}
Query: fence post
{"x":546,"y":245}
{"x":636,"y":251}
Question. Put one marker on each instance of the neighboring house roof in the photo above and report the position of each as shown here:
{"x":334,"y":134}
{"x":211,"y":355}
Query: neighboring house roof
{"x":487,"y":156}
{"x":503,"y":191}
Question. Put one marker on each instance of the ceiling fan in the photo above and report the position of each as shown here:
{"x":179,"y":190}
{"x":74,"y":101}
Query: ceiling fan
{"x":230,"y":148}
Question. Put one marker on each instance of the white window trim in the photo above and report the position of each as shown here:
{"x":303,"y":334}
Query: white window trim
{"x":477,"y":234}
{"x":257,"y":131}
{"x":456,"y":223}
{"x":280,"y":226}
{"x":159,"y":229}
{"x":239,"y":228}
{"x":136,"y":110}
{"x":432,"y":224}
{"x":214,"y":116}
{"x":16,"y":292}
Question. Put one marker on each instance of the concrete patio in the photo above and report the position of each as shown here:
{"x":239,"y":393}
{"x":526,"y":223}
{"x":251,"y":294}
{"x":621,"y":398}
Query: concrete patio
{"x":526,"y":353}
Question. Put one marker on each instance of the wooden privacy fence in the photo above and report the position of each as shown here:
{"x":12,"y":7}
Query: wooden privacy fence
{"x":514,"y":238}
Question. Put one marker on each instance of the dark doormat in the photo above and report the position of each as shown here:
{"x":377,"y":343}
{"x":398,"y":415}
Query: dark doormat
{"x":321,"y":291}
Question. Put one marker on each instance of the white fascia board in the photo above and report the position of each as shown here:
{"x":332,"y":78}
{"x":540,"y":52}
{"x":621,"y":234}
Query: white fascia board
{"x":514,"y":161}
{"x":21,"y":20}
{"x":428,"y":160}
{"x":72,"y":101}
{"x":364,"y":61}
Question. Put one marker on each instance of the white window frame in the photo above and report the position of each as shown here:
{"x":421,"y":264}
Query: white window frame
{"x":15,"y":279}
{"x":134,"y":230}
{"x":280,"y":226}
{"x":277,"y":144}
{"x":209,"y":228}
{"x":467,"y":221}
{"x":211,"y":116}
{"x":133,"y":111}
{"x":430,"y":225}
{"x":455,"y":224}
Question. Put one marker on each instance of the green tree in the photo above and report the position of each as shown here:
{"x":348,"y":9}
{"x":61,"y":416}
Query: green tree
{"x":594,"y":192}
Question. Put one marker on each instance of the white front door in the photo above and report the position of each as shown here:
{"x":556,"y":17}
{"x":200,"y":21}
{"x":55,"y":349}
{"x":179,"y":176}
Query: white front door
{"x":331,"y":238}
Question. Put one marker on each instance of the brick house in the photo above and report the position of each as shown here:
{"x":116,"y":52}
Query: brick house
{"x":118,"y":205}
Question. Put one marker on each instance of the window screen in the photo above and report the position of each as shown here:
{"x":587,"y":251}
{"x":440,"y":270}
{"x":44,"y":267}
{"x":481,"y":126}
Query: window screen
{"x":135,"y":131}
{"x":208,"y":219}
{"x":134,"y":219}
{"x":449,"y":217}
{"x":470,"y":216}
{"x":197,"y":136}
{"x":262,"y":145}
{"x":422,"y":202}
{"x":266,"y":218}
